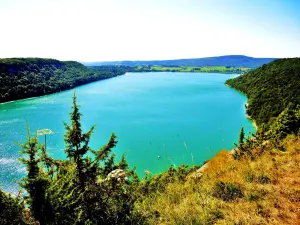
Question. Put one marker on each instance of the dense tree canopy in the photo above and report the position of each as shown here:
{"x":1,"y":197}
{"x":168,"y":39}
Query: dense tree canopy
{"x":30,"y":77}
{"x":270,"y":88}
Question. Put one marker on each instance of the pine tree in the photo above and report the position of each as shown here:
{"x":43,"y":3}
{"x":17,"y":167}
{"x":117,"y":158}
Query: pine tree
{"x":77,"y":146}
{"x":240,"y":146}
{"x":35,"y":183}
{"x":103,"y":155}
{"x":287,"y":122}
{"x":242,"y":136}
{"x":81,"y":189}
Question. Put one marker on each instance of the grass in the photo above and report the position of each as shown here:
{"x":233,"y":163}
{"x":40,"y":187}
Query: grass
{"x":263,"y":191}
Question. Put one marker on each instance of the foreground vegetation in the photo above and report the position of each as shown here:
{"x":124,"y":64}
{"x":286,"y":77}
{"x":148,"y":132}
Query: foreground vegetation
{"x":256,"y":183}
{"x":30,"y":77}
{"x":193,"y":69}
{"x":261,"y":191}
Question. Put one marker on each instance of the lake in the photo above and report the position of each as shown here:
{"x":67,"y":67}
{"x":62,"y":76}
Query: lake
{"x":161,"y":119}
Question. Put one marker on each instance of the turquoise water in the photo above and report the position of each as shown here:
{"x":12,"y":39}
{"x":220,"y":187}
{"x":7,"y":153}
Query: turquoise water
{"x":181,"y":117}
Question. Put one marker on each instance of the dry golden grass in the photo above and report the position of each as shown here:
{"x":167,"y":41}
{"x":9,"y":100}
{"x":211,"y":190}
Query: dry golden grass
{"x":270,"y":184}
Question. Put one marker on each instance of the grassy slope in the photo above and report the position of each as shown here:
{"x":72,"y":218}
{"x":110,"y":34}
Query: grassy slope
{"x":263,"y":190}
{"x":270,"y":186}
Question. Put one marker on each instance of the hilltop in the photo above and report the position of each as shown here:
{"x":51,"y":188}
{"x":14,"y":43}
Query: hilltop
{"x":228,"y":60}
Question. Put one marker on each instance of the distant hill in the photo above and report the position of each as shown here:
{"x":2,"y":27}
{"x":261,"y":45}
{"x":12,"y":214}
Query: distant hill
{"x":229,"y":60}
{"x":270,"y":88}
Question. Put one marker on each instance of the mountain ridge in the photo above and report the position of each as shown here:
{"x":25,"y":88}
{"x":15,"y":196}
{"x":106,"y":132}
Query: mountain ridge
{"x":226,"y":60}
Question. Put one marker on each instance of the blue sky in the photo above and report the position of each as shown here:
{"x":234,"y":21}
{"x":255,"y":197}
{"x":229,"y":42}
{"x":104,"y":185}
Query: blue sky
{"x":104,"y":30}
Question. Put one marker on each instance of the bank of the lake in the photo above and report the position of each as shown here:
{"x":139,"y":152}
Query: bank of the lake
{"x":246,"y":106}
{"x":161,"y":119}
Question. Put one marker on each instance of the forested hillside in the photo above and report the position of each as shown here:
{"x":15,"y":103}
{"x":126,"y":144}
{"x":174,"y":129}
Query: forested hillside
{"x":270,"y":88}
{"x":30,"y":77}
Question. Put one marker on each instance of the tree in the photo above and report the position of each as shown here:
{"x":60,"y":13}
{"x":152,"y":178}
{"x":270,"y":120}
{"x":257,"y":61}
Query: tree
{"x":36,"y":182}
{"x":81,"y":189}
{"x":241,"y":136}
{"x":244,"y":146}
{"x":108,"y":194}
{"x":239,"y":150}
{"x":77,"y":145}
{"x":287,"y":122}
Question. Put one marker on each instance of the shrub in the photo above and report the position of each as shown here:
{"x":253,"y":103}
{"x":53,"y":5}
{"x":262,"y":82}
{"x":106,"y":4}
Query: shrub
{"x":250,"y":177}
{"x":263,"y":179}
{"x":11,"y":210}
{"x":252,"y":197}
{"x":227,"y":191}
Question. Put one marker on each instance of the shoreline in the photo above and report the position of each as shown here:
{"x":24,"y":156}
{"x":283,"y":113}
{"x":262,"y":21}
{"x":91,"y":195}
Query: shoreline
{"x":252,"y":120}
{"x":246,"y":105}
{"x":126,"y":73}
{"x":179,"y":71}
{"x":23,"y":99}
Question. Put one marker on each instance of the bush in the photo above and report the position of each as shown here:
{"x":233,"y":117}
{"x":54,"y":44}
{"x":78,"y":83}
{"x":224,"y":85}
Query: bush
{"x":252,"y":197}
{"x":11,"y":210}
{"x":227,"y":191}
{"x":250,"y":177}
{"x":263,"y":179}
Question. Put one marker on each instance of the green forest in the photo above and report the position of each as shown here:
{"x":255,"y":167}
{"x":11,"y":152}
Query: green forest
{"x":31,"y":77}
{"x":256,"y":183}
{"x":270,"y":89}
